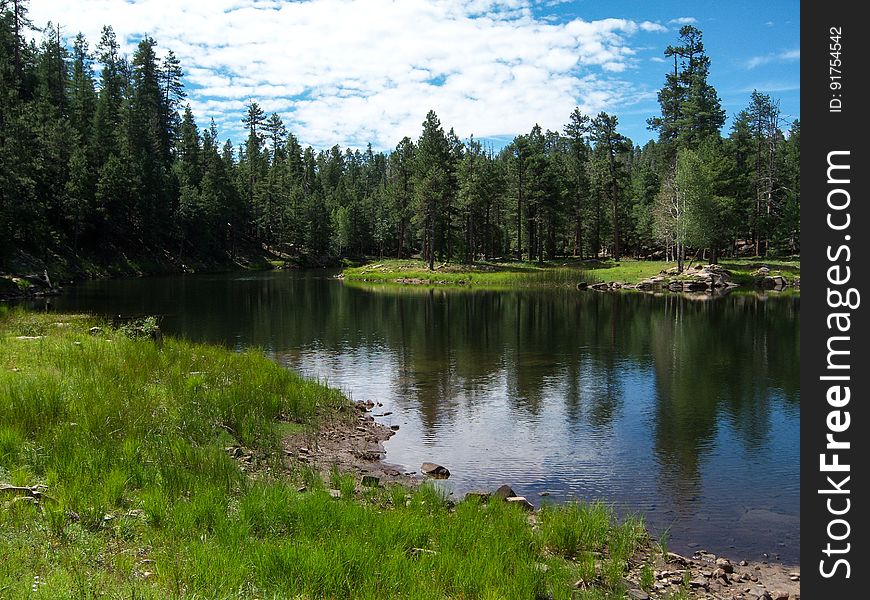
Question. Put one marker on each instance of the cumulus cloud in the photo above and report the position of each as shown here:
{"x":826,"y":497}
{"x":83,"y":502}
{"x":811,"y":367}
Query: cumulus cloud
{"x":683,"y":21}
{"x":348,"y":72}
{"x":786,"y":56}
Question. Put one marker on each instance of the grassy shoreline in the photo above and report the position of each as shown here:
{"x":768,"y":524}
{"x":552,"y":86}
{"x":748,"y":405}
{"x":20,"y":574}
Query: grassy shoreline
{"x":559,"y":273}
{"x":117,"y":446}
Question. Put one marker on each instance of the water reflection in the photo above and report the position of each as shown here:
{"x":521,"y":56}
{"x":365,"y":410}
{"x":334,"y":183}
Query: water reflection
{"x":684,"y":410}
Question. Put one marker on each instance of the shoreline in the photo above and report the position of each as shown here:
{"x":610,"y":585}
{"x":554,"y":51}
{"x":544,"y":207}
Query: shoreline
{"x":330,"y":445}
{"x":356,"y":446}
{"x":755,"y":273}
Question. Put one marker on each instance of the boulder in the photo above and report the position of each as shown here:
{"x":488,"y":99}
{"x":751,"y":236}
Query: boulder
{"x":637,"y":594}
{"x":504,"y":492}
{"x":771,"y":282}
{"x":434,"y":470}
{"x":698,"y":285}
{"x":522,"y":502}
{"x":725,"y":565}
{"x":477,"y":495}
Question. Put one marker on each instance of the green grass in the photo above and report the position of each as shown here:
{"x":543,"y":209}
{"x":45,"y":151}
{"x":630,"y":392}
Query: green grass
{"x":483,"y":275}
{"x":558,"y":273}
{"x":141,"y":500}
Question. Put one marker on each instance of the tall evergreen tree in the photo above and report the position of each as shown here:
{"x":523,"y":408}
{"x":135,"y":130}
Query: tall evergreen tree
{"x":609,"y":145}
{"x":431,"y":182}
{"x":690,"y":106}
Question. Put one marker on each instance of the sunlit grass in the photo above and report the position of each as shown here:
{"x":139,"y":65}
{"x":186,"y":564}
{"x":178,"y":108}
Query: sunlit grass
{"x":142,"y":500}
{"x":557,"y":273}
{"x":483,"y":275}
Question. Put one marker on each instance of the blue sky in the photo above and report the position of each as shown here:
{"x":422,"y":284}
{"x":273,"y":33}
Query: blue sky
{"x":351,"y":72}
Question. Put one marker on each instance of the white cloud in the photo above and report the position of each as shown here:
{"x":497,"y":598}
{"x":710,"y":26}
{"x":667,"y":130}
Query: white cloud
{"x":786,"y":56}
{"x":351,"y":72}
{"x":683,"y":21}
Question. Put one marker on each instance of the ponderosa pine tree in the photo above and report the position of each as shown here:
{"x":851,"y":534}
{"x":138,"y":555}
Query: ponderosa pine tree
{"x":609,"y":146}
{"x":577,"y":130}
{"x":690,"y":106}
{"x":431,"y":182}
{"x":116,"y":165}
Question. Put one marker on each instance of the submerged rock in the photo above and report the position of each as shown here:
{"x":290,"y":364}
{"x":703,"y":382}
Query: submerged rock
{"x":434,"y":470}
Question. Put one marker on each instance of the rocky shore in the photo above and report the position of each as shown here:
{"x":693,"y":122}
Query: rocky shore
{"x":700,"y":278}
{"x":353,"y":443}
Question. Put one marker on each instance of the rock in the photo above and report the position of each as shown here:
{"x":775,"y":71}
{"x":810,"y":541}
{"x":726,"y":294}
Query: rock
{"x":696,"y":286}
{"x":582,"y":285}
{"x":521,"y":502}
{"x":370,"y":481}
{"x":394,"y":427}
{"x":600,"y":287}
{"x":477,"y":495}
{"x":434,"y":470}
{"x":637,"y":594}
{"x":779,"y":595}
{"x":698,"y":583}
{"x":504,"y":492}
{"x":743,"y":563}
{"x":336,"y":494}
{"x":725,"y":565}
{"x":719,"y":573}
{"x":95,"y":330}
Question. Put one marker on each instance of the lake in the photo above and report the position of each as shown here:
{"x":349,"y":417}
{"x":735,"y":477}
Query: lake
{"x":685,"y":411}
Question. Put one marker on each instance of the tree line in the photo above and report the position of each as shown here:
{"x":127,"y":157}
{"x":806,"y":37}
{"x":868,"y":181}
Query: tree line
{"x":100,"y":156}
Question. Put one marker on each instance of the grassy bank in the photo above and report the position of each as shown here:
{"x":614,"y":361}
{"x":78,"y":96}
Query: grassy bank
{"x":142,"y":500}
{"x":567,"y":272}
{"x":489,"y":275}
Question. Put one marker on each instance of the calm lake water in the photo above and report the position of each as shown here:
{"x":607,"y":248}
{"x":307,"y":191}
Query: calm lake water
{"x":684,"y":411}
